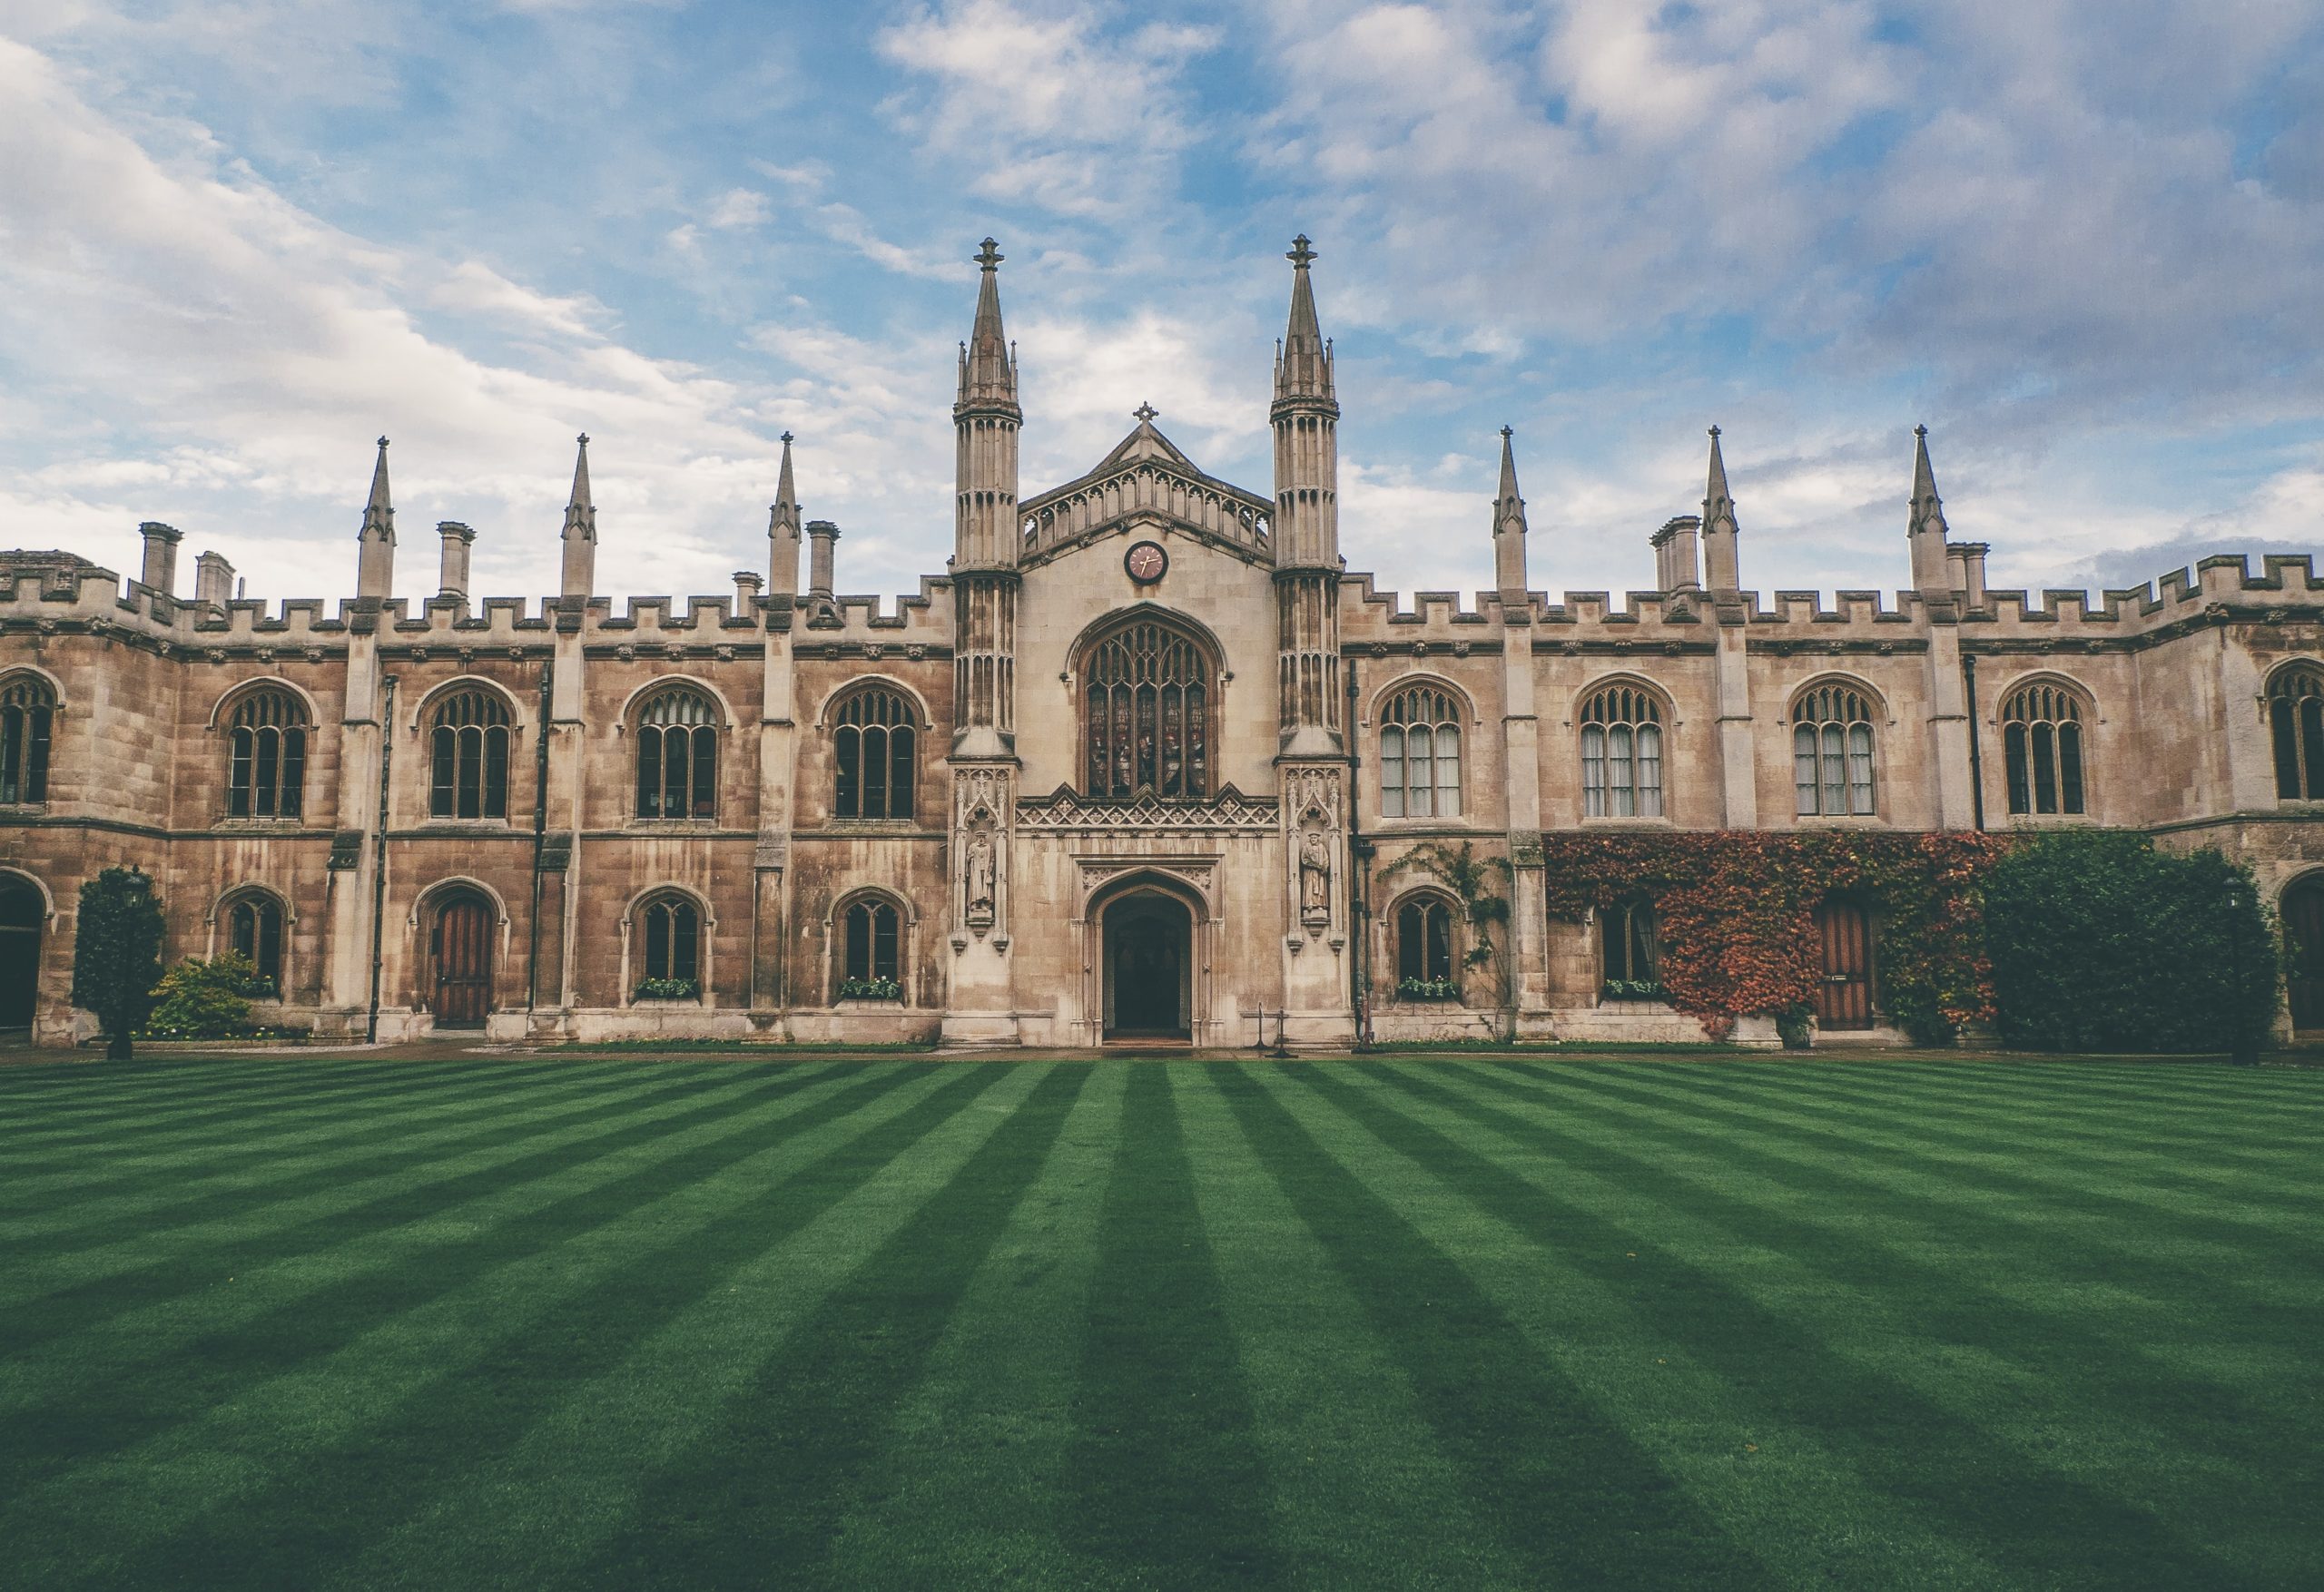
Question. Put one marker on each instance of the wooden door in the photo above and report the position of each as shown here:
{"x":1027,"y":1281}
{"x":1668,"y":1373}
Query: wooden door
{"x":2303,"y":915}
{"x":1844,"y":1000}
{"x":463,"y":957}
{"x":21,"y":916}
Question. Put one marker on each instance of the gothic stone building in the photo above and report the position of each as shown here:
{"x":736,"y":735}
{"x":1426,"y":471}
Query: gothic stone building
{"x":1139,"y":763}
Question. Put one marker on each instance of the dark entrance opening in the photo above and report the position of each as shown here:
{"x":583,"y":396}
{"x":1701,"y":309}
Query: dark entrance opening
{"x":22,"y":913}
{"x":2303,"y":916}
{"x":1149,"y":944}
{"x":461,"y":949}
{"x":1844,"y":1000}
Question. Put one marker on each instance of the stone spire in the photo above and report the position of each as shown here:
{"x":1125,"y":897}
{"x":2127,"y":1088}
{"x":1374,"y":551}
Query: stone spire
{"x":1925,"y":529}
{"x":988,"y":364}
{"x":1719,"y":531}
{"x":1306,"y":534}
{"x":782,"y":531}
{"x":1302,"y":367}
{"x":1508,"y":529}
{"x":375,"y":565}
{"x":580,"y":530}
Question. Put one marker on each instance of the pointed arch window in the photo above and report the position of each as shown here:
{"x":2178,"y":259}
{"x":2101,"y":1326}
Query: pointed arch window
{"x":1425,"y":949}
{"x":1621,"y":754}
{"x":27,"y":710}
{"x":2041,"y":737}
{"x":2296,"y":723}
{"x":871,"y":950}
{"x":1420,"y":755}
{"x":669,"y":927}
{"x":1145,"y":713}
{"x":1629,"y":948}
{"x":254,"y":933}
{"x":469,"y":757}
{"x":266,"y":756}
{"x":677,"y":755}
{"x":1831,"y":753}
{"x":875,"y":747}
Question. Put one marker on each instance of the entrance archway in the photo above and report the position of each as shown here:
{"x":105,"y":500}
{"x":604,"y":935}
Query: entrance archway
{"x":460,"y":959}
{"x":1149,"y":967}
{"x":22,"y":913}
{"x":2303,"y":910}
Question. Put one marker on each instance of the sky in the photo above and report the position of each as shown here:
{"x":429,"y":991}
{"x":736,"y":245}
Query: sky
{"x":2083,"y":240}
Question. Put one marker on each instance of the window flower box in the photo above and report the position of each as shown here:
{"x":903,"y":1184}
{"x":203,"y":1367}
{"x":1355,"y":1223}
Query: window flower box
{"x":665,"y":989}
{"x":1631,"y":989}
{"x":870,"y":989}
{"x":1428,"y":990}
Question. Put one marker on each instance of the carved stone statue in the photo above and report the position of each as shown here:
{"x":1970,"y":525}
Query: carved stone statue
{"x":980,"y":881}
{"x":1314,"y":877}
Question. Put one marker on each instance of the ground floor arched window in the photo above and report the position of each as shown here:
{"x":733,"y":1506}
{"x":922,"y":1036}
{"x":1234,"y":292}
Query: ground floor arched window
{"x":1423,"y":927}
{"x":871,"y":950}
{"x":669,"y":929}
{"x":254,"y":933}
{"x":1629,"y":952}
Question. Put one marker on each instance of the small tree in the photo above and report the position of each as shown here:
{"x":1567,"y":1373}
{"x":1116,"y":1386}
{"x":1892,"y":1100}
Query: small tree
{"x":1471,"y":879}
{"x":116,"y":954}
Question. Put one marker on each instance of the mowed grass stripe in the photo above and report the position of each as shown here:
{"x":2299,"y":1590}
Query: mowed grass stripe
{"x":198,"y":1342}
{"x":1824,"y":1349}
{"x":768,"y":1479}
{"x":974,"y":1460}
{"x":1936,"y":1258}
{"x":521,"y":1510}
{"x":76,"y":1293}
{"x":1362,"y":1495}
{"x":112,"y":1186}
{"x":426,"y":1373}
{"x":1566,"y":1493}
{"x":138,"y":1120}
{"x":1164,"y":1481}
{"x":2105,"y":1204}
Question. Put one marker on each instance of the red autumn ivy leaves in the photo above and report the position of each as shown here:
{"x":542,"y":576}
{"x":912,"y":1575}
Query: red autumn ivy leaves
{"x":1737,"y":911}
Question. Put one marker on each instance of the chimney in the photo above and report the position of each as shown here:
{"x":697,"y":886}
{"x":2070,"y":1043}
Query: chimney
{"x":1676,"y":564}
{"x":453,"y":580}
{"x":820,"y":536}
{"x":747,"y":582}
{"x":1970,"y":573}
{"x":214,"y":581}
{"x":161,"y":555}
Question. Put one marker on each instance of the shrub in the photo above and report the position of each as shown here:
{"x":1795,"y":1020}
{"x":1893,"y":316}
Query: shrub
{"x":117,"y":954}
{"x":204,"y":1000}
{"x":2099,"y":941}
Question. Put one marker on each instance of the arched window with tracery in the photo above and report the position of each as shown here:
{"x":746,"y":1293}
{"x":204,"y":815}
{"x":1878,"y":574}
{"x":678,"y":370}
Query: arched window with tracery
{"x":470,"y":756}
{"x":2296,"y":720}
{"x":1425,"y":949}
{"x":1420,"y":755}
{"x":1621,"y":754}
{"x":677,"y":755}
{"x":875,"y":745}
{"x":1145,"y":713}
{"x":27,"y":709}
{"x":1831,"y":751}
{"x":2041,"y":738}
{"x":1629,"y":952}
{"x":870,"y":946}
{"x":266,"y":756}
{"x":668,"y":930}
{"x":254,"y":933}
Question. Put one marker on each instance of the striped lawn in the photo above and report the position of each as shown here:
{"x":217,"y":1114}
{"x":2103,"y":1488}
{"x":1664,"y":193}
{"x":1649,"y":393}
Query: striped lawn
{"x":1414,"y":1323}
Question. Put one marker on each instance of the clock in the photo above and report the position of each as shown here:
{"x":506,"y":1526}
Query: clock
{"x":1145,"y":561}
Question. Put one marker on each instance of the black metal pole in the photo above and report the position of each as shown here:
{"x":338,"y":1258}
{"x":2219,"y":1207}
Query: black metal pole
{"x":379,"y":859}
{"x":540,"y":838}
{"x":1359,"y":877}
{"x":1976,"y":759}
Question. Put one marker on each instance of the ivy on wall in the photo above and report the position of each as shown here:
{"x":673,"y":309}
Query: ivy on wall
{"x":1736,"y":912}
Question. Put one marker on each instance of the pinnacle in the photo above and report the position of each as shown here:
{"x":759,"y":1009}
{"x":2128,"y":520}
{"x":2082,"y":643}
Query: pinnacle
{"x":1716,"y":492}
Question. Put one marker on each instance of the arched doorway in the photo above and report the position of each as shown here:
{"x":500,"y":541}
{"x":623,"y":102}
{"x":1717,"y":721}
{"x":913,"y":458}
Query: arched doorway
{"x":1844,"y":998}
{"x":1149,"y":972}
{"x":23,"y":911}
{"x":2303,"y":916}
{"x":460,"y":960}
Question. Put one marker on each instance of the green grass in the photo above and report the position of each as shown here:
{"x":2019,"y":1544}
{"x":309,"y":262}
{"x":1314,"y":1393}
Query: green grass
{"x":360,"y":1324}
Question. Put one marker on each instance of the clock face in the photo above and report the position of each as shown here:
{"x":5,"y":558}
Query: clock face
{"x":1145,"y":561}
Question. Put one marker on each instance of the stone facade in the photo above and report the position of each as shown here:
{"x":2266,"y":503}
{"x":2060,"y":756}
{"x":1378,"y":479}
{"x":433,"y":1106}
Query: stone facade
{"x":1122,"y":770}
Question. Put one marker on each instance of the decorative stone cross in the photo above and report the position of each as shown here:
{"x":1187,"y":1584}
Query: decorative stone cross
{"x":1146,"y":413}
